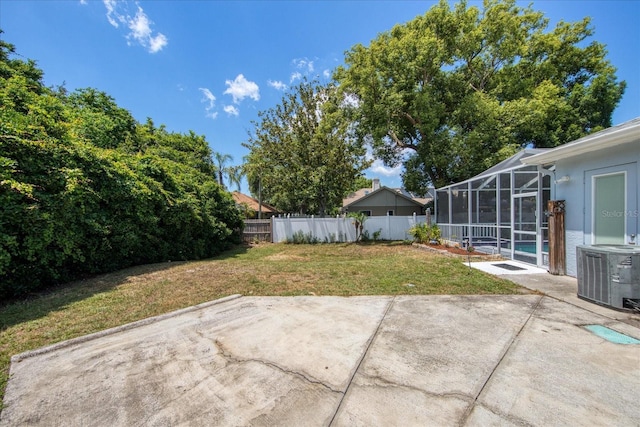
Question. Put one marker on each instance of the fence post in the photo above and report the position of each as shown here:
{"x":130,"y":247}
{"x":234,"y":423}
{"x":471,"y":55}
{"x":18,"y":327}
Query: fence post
{"x":273,"y":228}
{"x":388,"y":226}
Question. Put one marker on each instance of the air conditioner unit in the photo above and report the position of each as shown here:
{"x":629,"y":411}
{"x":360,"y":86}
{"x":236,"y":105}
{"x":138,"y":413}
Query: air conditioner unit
{"x":610,"y":275}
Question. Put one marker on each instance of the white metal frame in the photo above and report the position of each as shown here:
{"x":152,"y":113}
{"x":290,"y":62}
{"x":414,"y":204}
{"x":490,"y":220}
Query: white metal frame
{"x":537,"y":192}
{"x":537,"y":233}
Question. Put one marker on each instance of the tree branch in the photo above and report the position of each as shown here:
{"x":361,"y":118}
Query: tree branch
{"x":414,"y":122}
{"x":401,"y":143}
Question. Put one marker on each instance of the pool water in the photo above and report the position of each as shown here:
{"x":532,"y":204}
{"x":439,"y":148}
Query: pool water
{"x":530,"y":247}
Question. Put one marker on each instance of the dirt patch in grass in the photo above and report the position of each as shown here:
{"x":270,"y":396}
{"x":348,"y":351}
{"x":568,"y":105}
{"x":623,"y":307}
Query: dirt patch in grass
{"x":285,"y":257}
{"x":458,"y":252}
{"x":452,"y":249}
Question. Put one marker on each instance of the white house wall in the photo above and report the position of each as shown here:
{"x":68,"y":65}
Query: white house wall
{"x":580,"y":169}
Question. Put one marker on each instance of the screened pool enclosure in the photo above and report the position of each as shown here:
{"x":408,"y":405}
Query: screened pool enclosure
{"x":502,"y":210}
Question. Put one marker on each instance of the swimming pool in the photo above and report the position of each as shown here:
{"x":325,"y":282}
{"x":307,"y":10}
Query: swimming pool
{"x":525,"y":247}
{"x":530,"y":247}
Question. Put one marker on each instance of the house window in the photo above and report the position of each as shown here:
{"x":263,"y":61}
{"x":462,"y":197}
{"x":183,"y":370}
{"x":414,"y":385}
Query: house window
{"x":367,"y":213}
{"x":390,"y":213}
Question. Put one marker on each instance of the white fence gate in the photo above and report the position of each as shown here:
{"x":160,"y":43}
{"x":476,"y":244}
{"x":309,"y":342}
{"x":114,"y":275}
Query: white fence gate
{"x":342,"y":229}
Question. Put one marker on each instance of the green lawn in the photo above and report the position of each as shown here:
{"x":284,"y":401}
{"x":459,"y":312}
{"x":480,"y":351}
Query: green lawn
{"x":125,"y":296}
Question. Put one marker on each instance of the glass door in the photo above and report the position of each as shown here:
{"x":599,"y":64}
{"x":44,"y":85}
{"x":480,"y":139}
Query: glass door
{"x":525,"y":228}
{"x":611,"y":205}
{"x":609,"y":208}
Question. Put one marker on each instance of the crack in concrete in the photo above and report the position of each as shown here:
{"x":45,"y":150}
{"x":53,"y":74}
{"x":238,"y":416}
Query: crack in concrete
{"x":364,"y":354}
{"x":226,"y":354}
{"x":509,"y":417}
{"x":378,"y":381}
{"x":465,"y":417}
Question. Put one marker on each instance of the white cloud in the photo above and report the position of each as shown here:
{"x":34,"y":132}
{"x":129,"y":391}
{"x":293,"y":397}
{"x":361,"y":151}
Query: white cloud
{"x":295,"y":76}
{"x":304,"y":67}
{"x":278,"y":85}
{"x":157,"y":43}
{"x":112,"y":16}
{"x":378,"y":168}
{"x":231,"y":110}
{"x":211,"y":102}
{"x":83,"y":1}
{"x":304,"y":64}
{"x":208,"y":96}
{"x":139,"y":25}
{"x":241,"y":88}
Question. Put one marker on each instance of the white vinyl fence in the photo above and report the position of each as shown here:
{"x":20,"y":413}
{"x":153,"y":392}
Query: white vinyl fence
{"x":342,"y":229}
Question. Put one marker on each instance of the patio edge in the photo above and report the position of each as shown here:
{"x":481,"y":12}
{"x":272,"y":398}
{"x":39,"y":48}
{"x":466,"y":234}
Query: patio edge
{"x":85,"y":338}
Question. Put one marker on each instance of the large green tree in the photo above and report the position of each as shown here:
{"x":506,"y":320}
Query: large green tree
{"x":86,"y":189}
{"x":460,"y":88}
{"x":302,"y":158}
{"x":95,"y":117}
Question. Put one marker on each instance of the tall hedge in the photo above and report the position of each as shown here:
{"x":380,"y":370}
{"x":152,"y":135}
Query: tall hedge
{"x":86,"y":189}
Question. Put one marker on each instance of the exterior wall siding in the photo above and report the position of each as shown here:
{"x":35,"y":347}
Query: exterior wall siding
{"x":378,"y":204}
{"x":382,"y":210}
{"x":573,"y":239}
{"x":576,"y":192}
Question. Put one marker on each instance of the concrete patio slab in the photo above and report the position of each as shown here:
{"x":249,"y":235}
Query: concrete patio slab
{"x":255,"y":361}
{"x":425,"y":360}
{"x":501,"y":267}
{"x":440,"y":349}
{"x":559,"y":373}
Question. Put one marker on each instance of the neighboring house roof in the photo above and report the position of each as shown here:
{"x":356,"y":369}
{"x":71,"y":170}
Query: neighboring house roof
{"x":607,"y":138}
{"x":422,"y":200}
{"x":356,"y":195}
{"x":365,"y":193}
{"x":243,"y":199}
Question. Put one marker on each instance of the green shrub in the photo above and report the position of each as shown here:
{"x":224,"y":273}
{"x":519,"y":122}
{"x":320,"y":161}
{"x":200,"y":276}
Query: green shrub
{"x":424,"y":233}
{"x":435,"y":233}
{"x":299,"y":238}
{"x":359,"y":218}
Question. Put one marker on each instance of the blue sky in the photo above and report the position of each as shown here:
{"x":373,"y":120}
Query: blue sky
{"x":210,"y":66}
